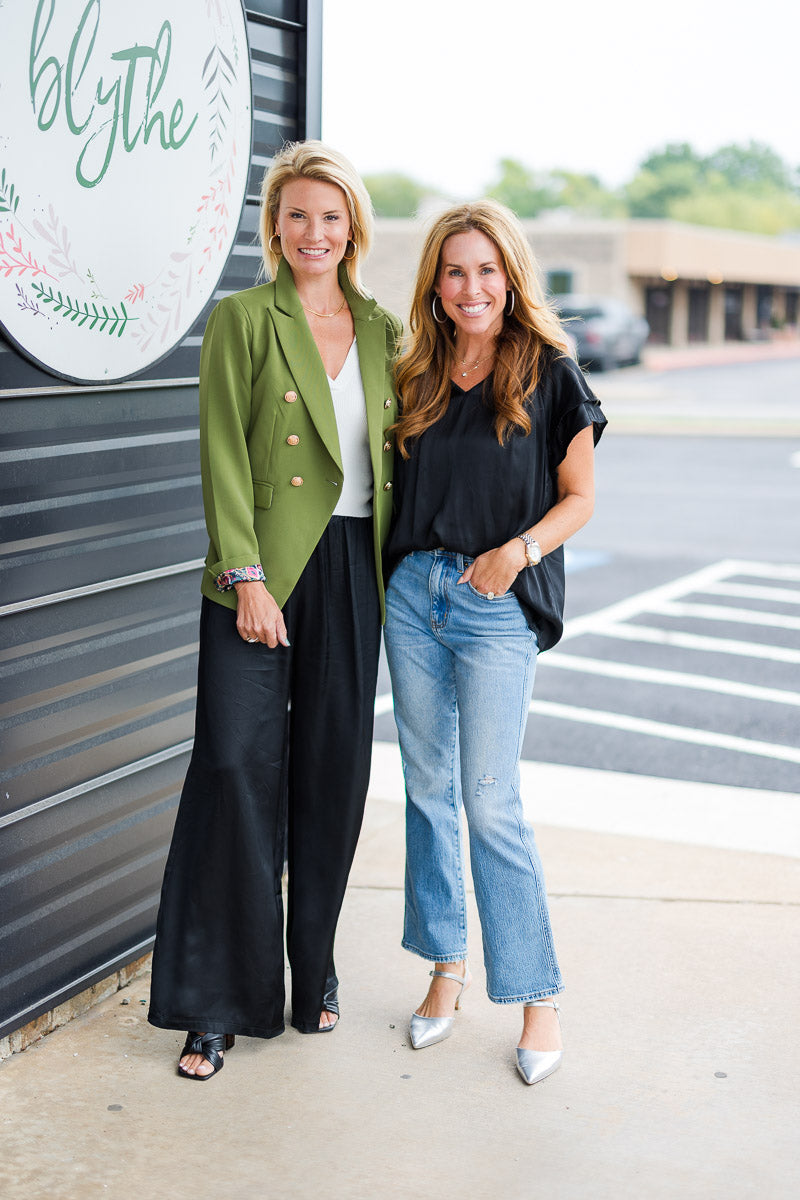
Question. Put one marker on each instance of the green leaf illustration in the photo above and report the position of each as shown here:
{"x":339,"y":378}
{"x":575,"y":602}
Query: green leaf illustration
{"x":9,"y":200}
{"x":100,"y":320}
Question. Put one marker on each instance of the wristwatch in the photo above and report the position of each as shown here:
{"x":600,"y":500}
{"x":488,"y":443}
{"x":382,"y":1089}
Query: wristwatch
{"x":533,"y":551}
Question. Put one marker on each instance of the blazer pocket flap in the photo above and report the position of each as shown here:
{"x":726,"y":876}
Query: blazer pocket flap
{"x":262,"y":494}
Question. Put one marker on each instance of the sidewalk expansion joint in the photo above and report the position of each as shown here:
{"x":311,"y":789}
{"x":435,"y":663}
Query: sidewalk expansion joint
{"x":557,"y":895}
{"x":675,"y":899}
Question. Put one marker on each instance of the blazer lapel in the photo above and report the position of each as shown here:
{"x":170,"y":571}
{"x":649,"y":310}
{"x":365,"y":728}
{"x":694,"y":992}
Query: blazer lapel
{"x":304,"y":361}
{"x":371,"y":339}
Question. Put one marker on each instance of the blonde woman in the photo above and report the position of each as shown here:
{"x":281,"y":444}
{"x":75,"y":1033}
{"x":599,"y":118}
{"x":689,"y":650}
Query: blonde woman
{"x":495,"y":471}
{"x":296,"y":397}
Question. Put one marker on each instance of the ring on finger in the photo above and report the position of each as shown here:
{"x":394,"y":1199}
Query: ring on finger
{"x":251,"y":639}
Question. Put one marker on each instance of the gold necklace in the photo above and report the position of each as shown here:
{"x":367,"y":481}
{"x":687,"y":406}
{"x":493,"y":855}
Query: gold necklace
{"x":333,"y":314}
{"x":476,"y":364}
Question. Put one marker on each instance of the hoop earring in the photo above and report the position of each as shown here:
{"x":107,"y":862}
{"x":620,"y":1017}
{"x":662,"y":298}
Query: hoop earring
{"x":350,"y":257}
{"x":269,"y":245}
{"x":433,"y":310}
{"x":509,"y":311}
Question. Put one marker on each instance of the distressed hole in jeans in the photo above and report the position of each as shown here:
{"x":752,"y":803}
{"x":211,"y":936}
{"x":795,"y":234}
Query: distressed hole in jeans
{"x":486,"y":781}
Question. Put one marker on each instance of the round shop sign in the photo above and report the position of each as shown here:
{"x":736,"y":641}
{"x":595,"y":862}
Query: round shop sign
{"x":124,"y":158}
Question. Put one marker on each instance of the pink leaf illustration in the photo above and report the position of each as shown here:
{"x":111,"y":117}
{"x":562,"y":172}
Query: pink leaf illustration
{"x":13,"y":257}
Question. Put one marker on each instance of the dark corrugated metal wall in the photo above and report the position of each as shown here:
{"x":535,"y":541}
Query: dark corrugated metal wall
{"x":102,"y":536}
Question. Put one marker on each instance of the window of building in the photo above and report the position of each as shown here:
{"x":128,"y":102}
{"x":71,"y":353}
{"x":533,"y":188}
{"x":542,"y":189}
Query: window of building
{"x":791,"y":306}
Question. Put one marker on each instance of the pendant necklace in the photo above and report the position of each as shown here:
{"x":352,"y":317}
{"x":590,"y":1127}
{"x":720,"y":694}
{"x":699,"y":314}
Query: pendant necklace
{"x":477,"y":363}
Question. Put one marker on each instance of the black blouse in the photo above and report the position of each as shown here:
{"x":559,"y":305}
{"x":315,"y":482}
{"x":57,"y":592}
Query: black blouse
{"x":463,"y":491}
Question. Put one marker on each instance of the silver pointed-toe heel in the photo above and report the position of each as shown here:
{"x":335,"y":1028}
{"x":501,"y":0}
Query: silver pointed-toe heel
{"x":426,"y":1031}
{"x":535,"y":1065}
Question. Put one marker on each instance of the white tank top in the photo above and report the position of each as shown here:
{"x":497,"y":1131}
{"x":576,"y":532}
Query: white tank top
{"x":350,"y":407}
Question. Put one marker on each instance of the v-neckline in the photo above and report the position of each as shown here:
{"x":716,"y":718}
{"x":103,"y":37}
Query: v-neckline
{"x":335,"y":379}
{"x":466,"y":391}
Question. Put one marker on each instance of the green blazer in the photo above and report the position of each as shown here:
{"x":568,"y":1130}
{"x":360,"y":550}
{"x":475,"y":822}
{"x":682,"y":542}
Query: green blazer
{"x":270,"y":458}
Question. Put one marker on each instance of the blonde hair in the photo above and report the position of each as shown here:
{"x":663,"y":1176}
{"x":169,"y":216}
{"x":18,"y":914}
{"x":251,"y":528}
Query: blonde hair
{"x":315,"y":160}
{"x":423,"y":371}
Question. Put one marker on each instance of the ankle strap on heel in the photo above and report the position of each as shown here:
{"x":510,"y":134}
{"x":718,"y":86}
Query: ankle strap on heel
{"x":545,"y":1004}
{"x":462,"y":979}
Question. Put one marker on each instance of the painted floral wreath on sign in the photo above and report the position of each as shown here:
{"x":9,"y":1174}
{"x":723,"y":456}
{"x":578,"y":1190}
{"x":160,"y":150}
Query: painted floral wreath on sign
{"x":122,"y":184}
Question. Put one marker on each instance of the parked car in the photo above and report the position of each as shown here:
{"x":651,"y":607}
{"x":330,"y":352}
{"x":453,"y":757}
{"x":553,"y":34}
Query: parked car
{"x":606,"y":331}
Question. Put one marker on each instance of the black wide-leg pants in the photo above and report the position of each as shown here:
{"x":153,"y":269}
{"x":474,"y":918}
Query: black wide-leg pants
{"x":289,"y":728}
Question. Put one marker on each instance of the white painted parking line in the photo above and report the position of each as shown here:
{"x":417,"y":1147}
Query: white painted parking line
{"x":721,"y":612}
{"x":681,"y":679}
{"x":694,"y":641}
{"x":654,"y":598}
{"x":634,"y":606}
{"x":751,"y":591}
{"x":674,"y":733}
{"x":785,"y":571}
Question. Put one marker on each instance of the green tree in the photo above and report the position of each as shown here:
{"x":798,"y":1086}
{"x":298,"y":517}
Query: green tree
{"x":396,"y":195}
{"x":768,"y":211}
{"x":587,"y":196}
{"x":755,"y":166}
{"x":664,"y":177}
{"x":525,"y":192}
{"x":747,"y":187}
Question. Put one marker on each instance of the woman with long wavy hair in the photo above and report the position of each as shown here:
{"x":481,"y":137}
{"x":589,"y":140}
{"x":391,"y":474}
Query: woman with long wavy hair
{"x":496,"y":441}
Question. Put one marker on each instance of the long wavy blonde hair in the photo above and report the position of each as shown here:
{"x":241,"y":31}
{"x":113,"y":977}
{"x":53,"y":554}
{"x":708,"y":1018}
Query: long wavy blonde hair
{"x":315,"y":160}
{"x":423,"y":370}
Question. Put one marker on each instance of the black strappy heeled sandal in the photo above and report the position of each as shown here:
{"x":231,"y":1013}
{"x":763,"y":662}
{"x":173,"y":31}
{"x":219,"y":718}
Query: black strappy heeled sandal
{"x":210,"y":1046}
{"x":330,"y":1004}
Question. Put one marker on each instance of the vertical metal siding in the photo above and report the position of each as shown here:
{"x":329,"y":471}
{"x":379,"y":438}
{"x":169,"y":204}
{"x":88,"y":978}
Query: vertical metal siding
{"x":102,"y":536}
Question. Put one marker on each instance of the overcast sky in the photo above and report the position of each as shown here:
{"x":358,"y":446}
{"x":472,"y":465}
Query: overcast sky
{"x":442,"y":89}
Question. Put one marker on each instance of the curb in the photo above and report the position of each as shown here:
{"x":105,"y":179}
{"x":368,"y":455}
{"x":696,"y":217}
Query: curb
{"x":674,"y":358}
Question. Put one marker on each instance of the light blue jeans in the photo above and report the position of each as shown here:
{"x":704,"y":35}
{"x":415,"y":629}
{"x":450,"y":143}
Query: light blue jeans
{"x":462,"y":669}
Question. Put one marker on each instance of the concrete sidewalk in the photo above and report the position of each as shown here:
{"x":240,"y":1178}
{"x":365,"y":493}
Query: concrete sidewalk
{"x":679,"y":1076}
{"x":702,"y":354}
{"x":702,"y":391}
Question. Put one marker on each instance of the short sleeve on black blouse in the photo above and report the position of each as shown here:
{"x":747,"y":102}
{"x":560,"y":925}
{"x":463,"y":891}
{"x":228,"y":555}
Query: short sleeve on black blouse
{"x":574,"y":406}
